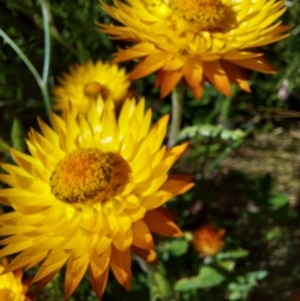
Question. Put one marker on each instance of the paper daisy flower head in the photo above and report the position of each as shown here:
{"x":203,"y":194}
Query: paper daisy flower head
{"x":11,"y":286}
{"x":86,"y":82}
{"x":208,"y":240}
{"x":196,"y":40}
{"x":89,"y":193}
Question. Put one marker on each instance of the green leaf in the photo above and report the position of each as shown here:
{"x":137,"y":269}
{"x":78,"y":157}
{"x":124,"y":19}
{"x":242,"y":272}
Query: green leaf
{"x":178,"y":247}
{"x":232,"y":134}
{"x":208,"y":130}
{"x":274,"y":233}
{"x":237,"y":134}
{"x":17,"y":135}
{"x":226,"y":134}
{"x":257,"y":275}
{"x":207,"y":277}
{"x":227,"y":265}
{"x":4,"y":147}
{"x":164,"y":287}
{"x":187,"y":284}
{"x":278,"y":201}
{"x":237,"y":253}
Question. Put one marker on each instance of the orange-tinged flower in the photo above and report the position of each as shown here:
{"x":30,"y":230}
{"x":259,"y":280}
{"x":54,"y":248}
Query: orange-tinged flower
{"x":89,"y":193}
{"x":11,"y":286}
{"x":86,"y":82}
{"x":207,"y":240}
{"x":196,"y":40}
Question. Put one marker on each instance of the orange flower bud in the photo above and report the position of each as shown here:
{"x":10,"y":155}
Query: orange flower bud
{"x":207,"y":240}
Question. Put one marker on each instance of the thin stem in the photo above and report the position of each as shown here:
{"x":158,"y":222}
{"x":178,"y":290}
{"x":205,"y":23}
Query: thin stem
{"x":225,"y":108}
{"x":46,"y":98}
{"x":177,"y":105}
{"x":47,"y":40}
{"x":42,"y":85}
{"x":47,"y":56}
{"x":22,"y":55}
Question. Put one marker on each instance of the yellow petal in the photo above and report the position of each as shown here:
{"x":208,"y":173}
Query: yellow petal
{"x":122,"y":242}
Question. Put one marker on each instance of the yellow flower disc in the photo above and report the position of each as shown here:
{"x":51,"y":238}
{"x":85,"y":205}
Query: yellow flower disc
{"x":81,"y":175}
{"x":93,"y":90}
{"x":203,"y":14}
{"x":89,"y":194}
{"x":86,"y":82}
{"x":196,"y":41}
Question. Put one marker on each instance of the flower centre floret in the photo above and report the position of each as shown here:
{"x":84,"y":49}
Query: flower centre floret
{"x":205,"y":14}
{"x":94,"y":89}
{"x":82,"y":175}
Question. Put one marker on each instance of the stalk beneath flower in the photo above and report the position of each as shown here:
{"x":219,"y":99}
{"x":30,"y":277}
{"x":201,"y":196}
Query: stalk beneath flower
{"x":177,"y":105}
{"x":42,"y":81}
{"x":225,"y":108}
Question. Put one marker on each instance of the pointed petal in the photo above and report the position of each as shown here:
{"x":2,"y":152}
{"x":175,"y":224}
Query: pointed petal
{"x":99,"y":284}
{"x":217,"y":76}
{"x":257,"y":64}
{"x":236,"y":75}
{"x":148,"y":255}
{"x":122,"y":242}
{"x":142,"y":237}
{"x":120,"y":265}
{"x":169,"y":81}
{"x":151,"y":63}
{"x":161,"y":224}
{"x":76,"y":269}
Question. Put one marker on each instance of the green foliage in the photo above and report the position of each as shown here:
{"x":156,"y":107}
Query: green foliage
{"x":17,"y":135}
{"x":240,"y":289}
{"x":256,"y":201}
{"x":207,"y":277}
{"x":176,"y":247}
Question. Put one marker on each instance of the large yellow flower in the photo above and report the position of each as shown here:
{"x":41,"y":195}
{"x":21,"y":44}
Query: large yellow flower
{"x":85,"y":82}
{"x":89,"y":193}
{"x":11,"y":286}
{"x":197,"y":40}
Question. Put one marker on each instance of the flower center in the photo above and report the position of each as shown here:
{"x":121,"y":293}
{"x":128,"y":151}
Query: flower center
{"x":82,"y":175}
{"x":94,"y":89}
{"x":205,"y":14}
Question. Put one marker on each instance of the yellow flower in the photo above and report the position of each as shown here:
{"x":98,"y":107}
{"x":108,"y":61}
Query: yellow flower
{"x":86,"y":82}
{"x":89,"y":193}
{"x":196,"y":40}
{"x":207,"y":240}
{"x":11,"y":286}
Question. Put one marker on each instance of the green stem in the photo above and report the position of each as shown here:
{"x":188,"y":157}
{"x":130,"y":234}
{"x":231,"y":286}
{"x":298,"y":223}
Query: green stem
{"x":22,"y":55}
{"x":226,"y":105}
{"x":41,"y":81}
{"x":177,"y":106}
{"x":225,"y":108}
{"x":47,"y":40}
{"x":47,"y":56}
